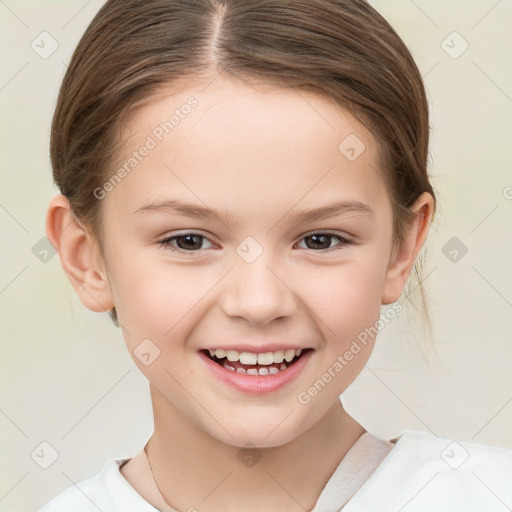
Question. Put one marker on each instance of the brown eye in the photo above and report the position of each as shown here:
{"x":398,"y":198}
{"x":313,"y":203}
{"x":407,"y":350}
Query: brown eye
{"x":318,"y":241}
{"x":322,"y":241}
{"x":189,"y":242}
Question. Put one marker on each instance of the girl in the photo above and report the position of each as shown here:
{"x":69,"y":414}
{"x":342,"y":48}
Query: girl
{"x":244,"y":186}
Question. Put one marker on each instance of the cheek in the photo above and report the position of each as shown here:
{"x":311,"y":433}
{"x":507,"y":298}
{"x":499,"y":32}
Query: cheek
{"x":344,"y":298}
{"x":160,"y":301}
{"x":155,"y":305}
{"x":345,"y":301}
{"x":156,"y":296}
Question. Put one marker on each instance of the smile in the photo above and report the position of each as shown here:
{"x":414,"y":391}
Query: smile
{"x":255,"y":372}
{"x":267,"y":363}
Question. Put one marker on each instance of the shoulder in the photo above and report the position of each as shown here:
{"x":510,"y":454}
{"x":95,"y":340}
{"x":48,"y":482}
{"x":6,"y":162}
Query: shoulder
{"x":107,"y":491}
{"x":86,"y":495}
{"x":427,"y":473}
{"x":448,"y":455}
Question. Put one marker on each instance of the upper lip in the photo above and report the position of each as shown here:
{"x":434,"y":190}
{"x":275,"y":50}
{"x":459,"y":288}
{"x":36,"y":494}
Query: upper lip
{"x":258,"y":349}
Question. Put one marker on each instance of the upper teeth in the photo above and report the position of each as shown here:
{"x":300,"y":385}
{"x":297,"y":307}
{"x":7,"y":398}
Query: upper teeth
{"x":266,"y":358}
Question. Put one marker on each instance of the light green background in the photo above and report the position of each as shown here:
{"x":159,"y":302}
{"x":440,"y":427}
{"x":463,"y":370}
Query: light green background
{"x":66,"y":376}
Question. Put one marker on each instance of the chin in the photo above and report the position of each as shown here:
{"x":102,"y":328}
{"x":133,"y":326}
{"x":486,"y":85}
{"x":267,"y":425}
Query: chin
{"x":270,"y":432}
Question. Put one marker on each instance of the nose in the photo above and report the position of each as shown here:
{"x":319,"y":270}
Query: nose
{"x":258,"y":293}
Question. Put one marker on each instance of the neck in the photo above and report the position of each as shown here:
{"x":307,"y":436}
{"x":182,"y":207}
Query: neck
{"x":196,"y":471}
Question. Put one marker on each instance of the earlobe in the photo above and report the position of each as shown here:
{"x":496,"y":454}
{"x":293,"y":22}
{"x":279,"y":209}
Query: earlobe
{"x":78,"y":255}
{"x":403,"y":258}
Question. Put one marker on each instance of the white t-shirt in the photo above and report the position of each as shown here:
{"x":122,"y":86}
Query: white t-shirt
{"x":416,"y":472}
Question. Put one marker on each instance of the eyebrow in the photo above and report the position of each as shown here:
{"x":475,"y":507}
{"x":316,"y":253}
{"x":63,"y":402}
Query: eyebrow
{"x":189,"y":210}
{"x":332,"y":210}
{"x":312,"y":214}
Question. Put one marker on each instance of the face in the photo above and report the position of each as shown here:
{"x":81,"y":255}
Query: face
{"x":254,"y":225}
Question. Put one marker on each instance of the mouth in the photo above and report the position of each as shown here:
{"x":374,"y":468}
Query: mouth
{"x":256,"y":364}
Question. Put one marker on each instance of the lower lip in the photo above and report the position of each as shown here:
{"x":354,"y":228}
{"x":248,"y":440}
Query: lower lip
{"x":256,"y":384}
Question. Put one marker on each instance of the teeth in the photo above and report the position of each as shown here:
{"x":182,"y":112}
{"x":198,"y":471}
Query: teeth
{"x":228,"y":367}
{"x":232,"y":355}
{"x":264,"y":359}
{"x":272,"y":370}
{"x":279,"y":356}
{"x":289,"y":355}
{"x":248,"y":358}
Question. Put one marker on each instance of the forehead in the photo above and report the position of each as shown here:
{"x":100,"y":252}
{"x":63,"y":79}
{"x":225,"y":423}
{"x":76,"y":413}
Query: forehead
{"x":257,"y":145}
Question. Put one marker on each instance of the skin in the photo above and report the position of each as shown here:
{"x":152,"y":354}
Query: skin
{"x":261,"y":154}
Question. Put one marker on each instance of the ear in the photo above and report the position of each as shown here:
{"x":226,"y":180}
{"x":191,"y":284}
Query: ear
{"x":78,"y":255}
{"x":403,"y":257}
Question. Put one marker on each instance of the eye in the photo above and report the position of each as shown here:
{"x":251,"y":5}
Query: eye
{"x":321,"y":241}
{"x":187,"y":242}
{"x":193,"y":242}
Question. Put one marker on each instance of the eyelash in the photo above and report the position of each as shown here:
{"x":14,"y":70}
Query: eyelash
{"x":166,"y":242}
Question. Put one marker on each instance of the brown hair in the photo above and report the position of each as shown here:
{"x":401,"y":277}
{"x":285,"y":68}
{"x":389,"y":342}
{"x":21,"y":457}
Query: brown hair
{"x":341,"y":49}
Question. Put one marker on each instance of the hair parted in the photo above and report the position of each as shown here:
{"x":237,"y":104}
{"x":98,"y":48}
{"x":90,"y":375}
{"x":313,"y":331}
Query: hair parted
{"x":341,"y":49}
